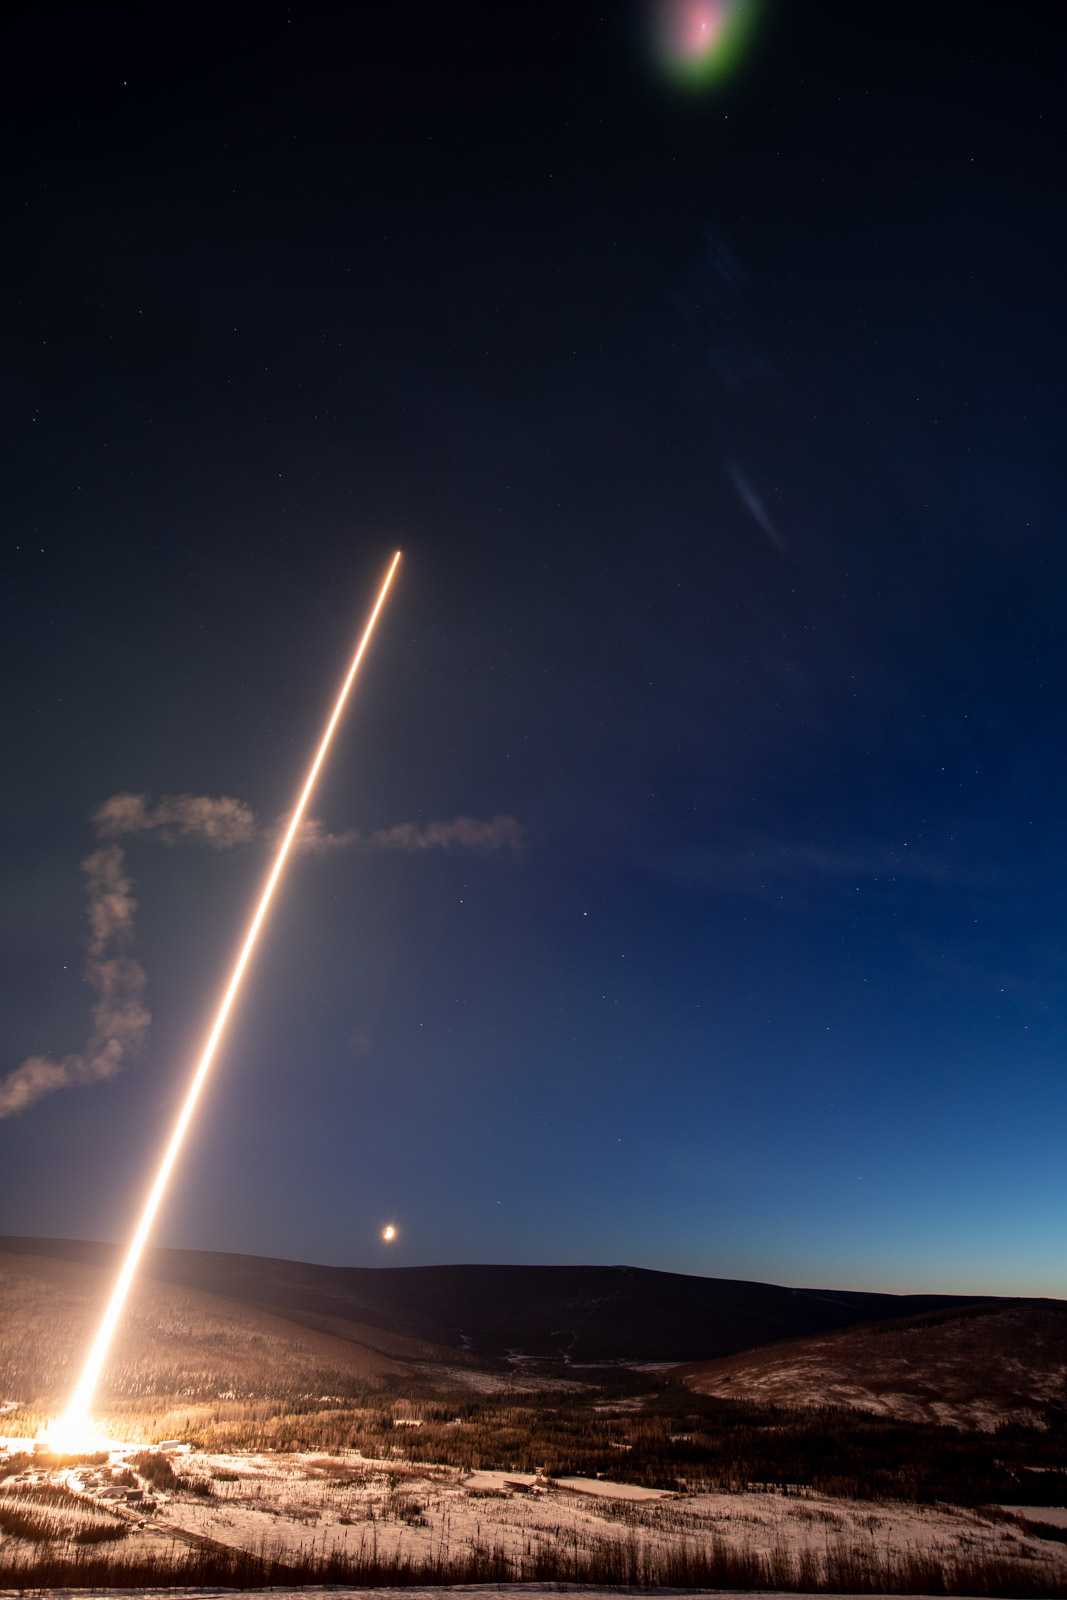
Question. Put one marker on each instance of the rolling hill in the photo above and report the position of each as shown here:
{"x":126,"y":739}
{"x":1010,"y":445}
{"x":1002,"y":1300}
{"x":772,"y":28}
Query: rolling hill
{"x":974,"y":1366}
{"x":172,"y":1341}
{"x":486,"y":1315}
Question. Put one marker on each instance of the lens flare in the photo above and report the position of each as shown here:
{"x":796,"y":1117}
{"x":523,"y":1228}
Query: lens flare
{"x":75,"y":1423}
{"x":700,"y":41}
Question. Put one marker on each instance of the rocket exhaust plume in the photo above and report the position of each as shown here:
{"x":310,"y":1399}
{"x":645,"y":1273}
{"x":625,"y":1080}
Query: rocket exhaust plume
{"x":73,"y":1429}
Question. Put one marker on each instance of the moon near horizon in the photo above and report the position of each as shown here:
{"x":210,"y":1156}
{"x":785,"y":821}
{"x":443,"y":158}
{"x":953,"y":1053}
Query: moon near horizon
{"x":388,"y":1232}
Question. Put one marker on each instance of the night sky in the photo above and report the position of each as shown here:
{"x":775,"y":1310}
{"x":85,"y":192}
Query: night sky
{"x":721,"y":425}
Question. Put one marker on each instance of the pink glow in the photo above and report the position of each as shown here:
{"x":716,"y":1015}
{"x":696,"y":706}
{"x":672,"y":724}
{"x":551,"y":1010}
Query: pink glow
{"x":692,"y":27}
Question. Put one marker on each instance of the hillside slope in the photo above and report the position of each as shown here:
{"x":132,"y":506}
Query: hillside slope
{"x":489,"y":1313}
{"x":172,"y":1341}
{"x":974,"y":1366}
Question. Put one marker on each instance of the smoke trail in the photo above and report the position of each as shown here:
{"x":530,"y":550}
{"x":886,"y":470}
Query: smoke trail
{"x":120,"y":1018}
{"x":466,"y":833}
{"x":223,"y":822}
{"x":220,"y":822}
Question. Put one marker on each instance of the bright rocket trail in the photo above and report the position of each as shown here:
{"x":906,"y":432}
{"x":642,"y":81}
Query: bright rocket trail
{"x":74,"y":1424}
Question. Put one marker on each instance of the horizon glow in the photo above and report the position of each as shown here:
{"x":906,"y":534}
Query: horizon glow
{"x":74,"y":1427}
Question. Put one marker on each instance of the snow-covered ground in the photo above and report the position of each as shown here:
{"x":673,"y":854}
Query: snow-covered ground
{"x":481,"y":1591}
{"x":612,"y":1491}
{"x":1055,"y":1516}
{"x":286,"y":1505}
{"x":517,"y":1481}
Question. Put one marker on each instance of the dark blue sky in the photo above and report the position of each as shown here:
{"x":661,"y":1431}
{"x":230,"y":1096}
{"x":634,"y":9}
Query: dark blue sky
{"x":722,"y":433}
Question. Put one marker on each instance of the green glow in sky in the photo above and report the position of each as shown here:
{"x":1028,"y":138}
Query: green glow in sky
{"x":700,"y":42}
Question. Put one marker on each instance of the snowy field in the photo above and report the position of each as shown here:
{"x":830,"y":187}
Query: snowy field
{"x":287,"y":1506}
{"x":486,"y":1591}
{"x":482,"y":1591}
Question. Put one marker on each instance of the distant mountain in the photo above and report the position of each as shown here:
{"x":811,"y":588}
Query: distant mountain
{"x":383,"y":1320}
{"x":974,"y":1366}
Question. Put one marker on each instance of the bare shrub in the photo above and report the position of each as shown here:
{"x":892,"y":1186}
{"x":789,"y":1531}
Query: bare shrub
{"x":101,"y":1532}
{"x":633,"y":1564}
{"x":203,"y":1488}
{"x":18,"y":1524}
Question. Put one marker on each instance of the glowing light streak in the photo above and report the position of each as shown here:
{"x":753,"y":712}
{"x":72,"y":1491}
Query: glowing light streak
{"x":74,"y":1426}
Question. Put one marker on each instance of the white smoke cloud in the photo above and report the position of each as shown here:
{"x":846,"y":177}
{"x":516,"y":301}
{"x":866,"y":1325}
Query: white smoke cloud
{"x":120,"y":1019}
{"x":224,"y":823}
{"x":119,"y":1016}
{"x":312,"y":837}
{"x":465,"y":833}
{"x":221,"y":821}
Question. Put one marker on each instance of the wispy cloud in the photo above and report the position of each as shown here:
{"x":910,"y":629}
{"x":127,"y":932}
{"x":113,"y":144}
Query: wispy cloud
{"x":761,"y":866}
{"x":754,"y":506}
{"x":120,"y":1019}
